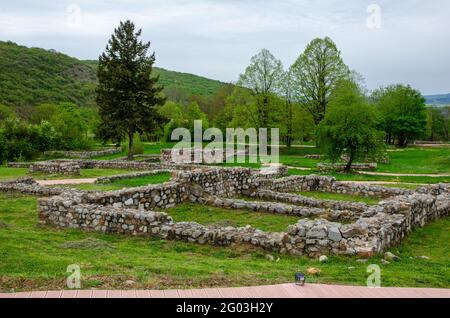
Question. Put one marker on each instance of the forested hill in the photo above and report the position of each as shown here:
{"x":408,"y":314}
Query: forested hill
{"x":32,"y":76}
{"x":438,"y":100}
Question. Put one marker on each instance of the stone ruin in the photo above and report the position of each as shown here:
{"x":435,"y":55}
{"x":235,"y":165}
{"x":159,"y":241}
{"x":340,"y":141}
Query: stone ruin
{"x":325,"y":227}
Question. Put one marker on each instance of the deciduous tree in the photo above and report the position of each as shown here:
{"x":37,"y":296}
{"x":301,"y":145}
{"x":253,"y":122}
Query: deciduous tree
{"x":350,"y":126}
{"x":263,"y":77}
{"x":316,"y":73}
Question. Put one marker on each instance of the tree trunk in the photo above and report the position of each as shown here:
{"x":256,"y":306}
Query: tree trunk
{"x":130,"y":145}
{"x":348,"y":167}
{"x":289,"y":126}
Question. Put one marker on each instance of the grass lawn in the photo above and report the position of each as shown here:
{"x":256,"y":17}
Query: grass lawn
{"x":208,"y":215}
{"x":338,"y":197}
{"x":418,"y":160}
{"x":14,"y":173}
{"x":363,"y":177}
{"x":35,"y":257}
{"x":124,"y":183}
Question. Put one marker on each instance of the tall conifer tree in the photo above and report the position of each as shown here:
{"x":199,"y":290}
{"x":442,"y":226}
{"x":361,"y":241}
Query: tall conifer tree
{"x":128,"y":95}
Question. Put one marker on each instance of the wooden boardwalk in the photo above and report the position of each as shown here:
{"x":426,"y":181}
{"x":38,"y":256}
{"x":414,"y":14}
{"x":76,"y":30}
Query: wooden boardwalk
{"x":275,"y":291}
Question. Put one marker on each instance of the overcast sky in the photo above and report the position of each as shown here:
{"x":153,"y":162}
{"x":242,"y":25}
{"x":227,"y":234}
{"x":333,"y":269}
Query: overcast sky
{"x":409,"y":42}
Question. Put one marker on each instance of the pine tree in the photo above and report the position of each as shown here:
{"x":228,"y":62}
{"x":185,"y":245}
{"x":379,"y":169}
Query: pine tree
{"x":127,"y":95}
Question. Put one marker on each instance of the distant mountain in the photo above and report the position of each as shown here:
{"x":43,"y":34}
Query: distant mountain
{"x":438,"y":100}
{"x":31,"y":76}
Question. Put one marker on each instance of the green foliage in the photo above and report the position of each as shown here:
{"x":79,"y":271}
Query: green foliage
{"x":137,"y":148}
{"x":21,"y":141}
{"x":182,"y":116}
{"x":50,"y":77}
{"x":403,"y":113}
{"x":263,"y":77}
{"x":70,"y":127}
{"x":437,"y":124}
{"x":43,"y":112}
{"x":31,"y":76}
{"x":350,"y":126}
{"x":128,"y":95}
{"x":6,"y":113}
{"x":316,"y":73}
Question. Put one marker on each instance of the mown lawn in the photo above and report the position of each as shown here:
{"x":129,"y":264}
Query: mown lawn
{"x":363,"y":177}
{"x":14,"y":173}
{"x":34,"y":257}
{"x":208,"y":215}
{"x":418,"y":160}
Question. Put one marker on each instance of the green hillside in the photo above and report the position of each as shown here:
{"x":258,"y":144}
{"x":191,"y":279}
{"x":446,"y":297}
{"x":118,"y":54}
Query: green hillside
{"x":438,"y":100}
{"x":31,"y":76}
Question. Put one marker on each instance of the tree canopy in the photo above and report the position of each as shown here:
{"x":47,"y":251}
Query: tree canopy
{"x":403,"y":113}
{"x":263,"y":77}
{"x":350,"y":126}
{"x":316,"y":73}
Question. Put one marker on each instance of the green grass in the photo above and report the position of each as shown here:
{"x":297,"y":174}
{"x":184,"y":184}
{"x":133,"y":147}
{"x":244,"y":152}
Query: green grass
{"x":14,"y":173}
{"x":207,"y":215}
{"x":363,"y":177}
{"x":32,"y":258}
{"x":338,"y":197}
{"x":124,"y":183}
{"x":418,"y":160}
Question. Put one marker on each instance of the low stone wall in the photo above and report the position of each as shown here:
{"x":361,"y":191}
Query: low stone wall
{"x":261,"y":206}
{"x":158,"y":196}
{"x":373,"y":229}
{"x":176,"y":156}
{"x":142,"y":158}
{"x":311,"y":202}
{"x":328,"y":184}
{"x":19,"y":164}
{"x":67,"y":212}
{"x":28,"y":185}
{"x":84,"y":154}
{"x":228,"y":182}
{"x":341,"y":166}
{"x":56,"y":167}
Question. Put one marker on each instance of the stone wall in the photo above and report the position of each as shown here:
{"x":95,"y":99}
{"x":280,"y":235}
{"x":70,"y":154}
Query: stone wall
{"x":19,"y":164}
{"x":369,"y":229}
{"x":27,"y":185}
{"x":329,"y":184}
{"x":56,"y":167}
{"x":157,"y":196}
{"x":84,"y":154}
{"x":177,"y":156}
{"x":341,"y":166}
{"x":218,"y":181}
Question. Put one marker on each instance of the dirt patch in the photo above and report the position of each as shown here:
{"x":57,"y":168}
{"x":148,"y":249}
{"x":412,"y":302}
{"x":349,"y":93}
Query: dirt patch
{"x":88,"y":243}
